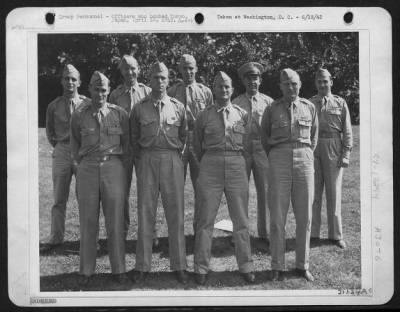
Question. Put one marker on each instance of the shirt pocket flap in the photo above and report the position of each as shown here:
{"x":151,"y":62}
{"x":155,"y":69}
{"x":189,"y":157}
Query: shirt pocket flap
{"x":114,"y":131}
{"x":305,"y":122}
{"x":335,"y":111}
{"x":87,"y":131}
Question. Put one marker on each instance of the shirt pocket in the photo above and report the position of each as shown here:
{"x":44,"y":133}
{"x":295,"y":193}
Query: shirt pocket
{"x":280,"y":129}
{"x":238,"y":132}
{"x":148,"y":128}
{"x":334,"y":117}
{"x":172,"y":125}
{"x":304,"y":128}
{"x":89,"y":136}
{"x":114,"y":135}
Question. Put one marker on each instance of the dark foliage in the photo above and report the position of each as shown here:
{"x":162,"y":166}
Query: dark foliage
{"x":303,"y":52}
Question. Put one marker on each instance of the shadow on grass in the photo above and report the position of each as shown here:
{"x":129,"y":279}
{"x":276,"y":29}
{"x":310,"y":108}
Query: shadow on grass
{"x":156,"y":281}
{"x":222,"y":246}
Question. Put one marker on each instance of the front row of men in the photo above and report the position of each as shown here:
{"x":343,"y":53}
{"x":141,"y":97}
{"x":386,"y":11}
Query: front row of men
{"x":222,"y":142}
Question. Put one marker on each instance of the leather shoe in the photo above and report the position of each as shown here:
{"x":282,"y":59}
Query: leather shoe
{"x":122,"y":279}
{"x":201,"y":279}
{"x":249,"y":277}
{"x":276,"y":275}
{"x":156,"y":242}
{"x":46,"y":248}
{"x":306,"y":274}
{"x":83,"y":280}
{"x":141,"y":276}
{"x":181,"y":276}
{"x":340,"y":243}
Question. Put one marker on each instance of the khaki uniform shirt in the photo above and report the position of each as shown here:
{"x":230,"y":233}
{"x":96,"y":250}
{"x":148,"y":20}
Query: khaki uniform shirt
{"x":255,"y":107}
{"x":99,"y":133}
{"x":126,"y":97}
{"x":195,"y":97}
{"x":158,"y":124}
{"x":220,"y":129}
{"x":285,"y":122}
{"x":58,"y":118}
{"x":334,"y":117}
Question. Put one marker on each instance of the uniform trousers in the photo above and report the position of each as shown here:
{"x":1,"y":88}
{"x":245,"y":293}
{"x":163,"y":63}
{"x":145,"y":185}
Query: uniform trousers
{"x":329,"y":176}
{"x":257,"y":162}
{"x":291,"y":178}
{"x":220,"y":173}
{"x":105,"y":182}
{"x":128,"y":167}
{"x":160,"y":171}
{"x":62,"y":171}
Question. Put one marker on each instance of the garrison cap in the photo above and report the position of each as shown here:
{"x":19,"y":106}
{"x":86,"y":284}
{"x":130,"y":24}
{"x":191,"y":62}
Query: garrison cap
{"x":128,"y":60}
{"x":221,"y":76}
{"x":253,"y":68}
{"x":187,"y":59}
{"x":322,"y":72}
{"x":69,"y":69}
{"x":158,"y":67}
{"x":98,"y":79}
{"x":289,"y":74}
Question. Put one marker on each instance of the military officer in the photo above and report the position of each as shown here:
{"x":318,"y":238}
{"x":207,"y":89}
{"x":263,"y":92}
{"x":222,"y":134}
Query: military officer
{"x":289,"y":133}
{"x":255,"y":103}
{"x":330,"y":157}
{"x":57,"y":130}
{"x":99,"y":143}
{"x":158,"y":134}
{"x":219,"y":140}
{"x":195,"y":96}
{"x":126,"y":96}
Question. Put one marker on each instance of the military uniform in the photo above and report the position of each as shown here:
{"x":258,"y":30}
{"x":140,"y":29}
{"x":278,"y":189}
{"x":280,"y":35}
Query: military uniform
{"x":100,"y":142}
{"x":334,"y":145}
{"x":256,"y":159}
{"x":58,"y":119}
{"x":158,"y":135}
{"x":126,"y":98}
{"x":219,"y":140}
{"x":289,"y":133}
{"x":195,"y":97}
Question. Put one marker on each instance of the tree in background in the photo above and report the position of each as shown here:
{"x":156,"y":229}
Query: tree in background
{"x":303,"y":52}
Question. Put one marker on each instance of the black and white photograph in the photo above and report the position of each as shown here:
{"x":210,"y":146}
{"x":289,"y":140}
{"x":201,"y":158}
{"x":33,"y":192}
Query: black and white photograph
{"x":218,"y":162}
{"x":81,"y":249}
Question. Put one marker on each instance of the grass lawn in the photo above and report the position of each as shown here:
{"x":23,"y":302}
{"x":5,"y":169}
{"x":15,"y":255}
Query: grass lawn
{"x":332,"y":267}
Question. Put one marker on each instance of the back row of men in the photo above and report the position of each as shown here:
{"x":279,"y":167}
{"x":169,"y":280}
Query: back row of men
{"x":294,"y":147}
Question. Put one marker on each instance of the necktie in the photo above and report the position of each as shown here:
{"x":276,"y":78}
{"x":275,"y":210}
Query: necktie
{"x":99,"y":116}
{"x":131,"y":91}
{"x":225,"y":113}
{"x":71,"y":106}
{"x":158,"y":106}
{"x":189,"y":104}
